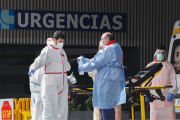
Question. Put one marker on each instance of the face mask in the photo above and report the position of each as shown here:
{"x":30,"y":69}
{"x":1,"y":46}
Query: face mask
{"x":104,"y":42}
{"x":101,"y":44}
{"x":160,"y":57}
{"x":60,"y":45}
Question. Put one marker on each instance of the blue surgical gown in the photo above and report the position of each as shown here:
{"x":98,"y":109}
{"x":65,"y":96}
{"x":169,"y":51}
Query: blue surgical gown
{"x":109,"y":83}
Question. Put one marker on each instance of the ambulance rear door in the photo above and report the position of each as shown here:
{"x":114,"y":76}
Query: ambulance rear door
{"x":174,"y":58}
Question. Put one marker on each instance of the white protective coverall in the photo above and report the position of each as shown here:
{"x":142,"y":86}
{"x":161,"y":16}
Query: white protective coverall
{"x":35,"y":88}
{"x":36,"y":101}
{"x":54,"y":83}
{"x":163,"y":110}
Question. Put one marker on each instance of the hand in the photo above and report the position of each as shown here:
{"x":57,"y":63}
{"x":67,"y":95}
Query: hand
{"x":170,"y":97}
{"x":146,"y":99}
{"x":72,"y":80}
{"x":31,"y":72}
{"x":70,"y":76}
{"x":83,"y":60}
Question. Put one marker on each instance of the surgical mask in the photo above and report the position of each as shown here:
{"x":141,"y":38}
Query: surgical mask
{"x":60,"y":45}
{"x":104,"y":42}
{"x":101,"y":44}
{"x":160,"y":57}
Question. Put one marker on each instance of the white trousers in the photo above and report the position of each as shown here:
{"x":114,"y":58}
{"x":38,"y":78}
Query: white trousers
{"x":36,"y":106}
{"x":55,"y":102}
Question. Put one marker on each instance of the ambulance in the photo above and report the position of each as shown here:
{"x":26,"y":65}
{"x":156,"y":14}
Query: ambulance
{"x":174,"y":58}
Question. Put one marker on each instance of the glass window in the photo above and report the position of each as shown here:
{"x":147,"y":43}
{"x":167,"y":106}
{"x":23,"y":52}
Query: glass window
{"x":175,"y":56}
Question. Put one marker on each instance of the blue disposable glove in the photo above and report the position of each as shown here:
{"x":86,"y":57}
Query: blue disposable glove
{"x":31,"y":72}
{"x":146,"y":99}
{"x":83,"y":60}
{"x":170,"y":97}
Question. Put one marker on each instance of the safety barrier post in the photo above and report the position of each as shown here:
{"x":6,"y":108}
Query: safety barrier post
{"x":15,"y":102}
{"x":19,"y":108}
{"x":27,"y":104}
{"x":25,"y":111}
{"x":22,"y":109}
{"x":143,"y":117}
{"x":23,"y":104}
{"x":30,"y":104}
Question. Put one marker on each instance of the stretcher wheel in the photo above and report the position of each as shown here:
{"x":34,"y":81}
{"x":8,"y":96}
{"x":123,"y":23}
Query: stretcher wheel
{"x":130,"y":99}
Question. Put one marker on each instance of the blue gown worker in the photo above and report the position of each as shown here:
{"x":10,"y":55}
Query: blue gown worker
{"x":109,"y":83}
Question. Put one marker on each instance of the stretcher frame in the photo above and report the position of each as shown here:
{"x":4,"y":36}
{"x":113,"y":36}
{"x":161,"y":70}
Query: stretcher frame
{"x":79,"y":91}
{"x":142,"y":103}
{"x":132,"y":89}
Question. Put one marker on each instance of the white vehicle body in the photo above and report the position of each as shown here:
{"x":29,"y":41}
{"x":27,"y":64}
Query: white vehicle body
{"x":174,"y":58}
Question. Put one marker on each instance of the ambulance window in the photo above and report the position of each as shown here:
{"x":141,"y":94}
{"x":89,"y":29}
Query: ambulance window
{"x":175,"y":56}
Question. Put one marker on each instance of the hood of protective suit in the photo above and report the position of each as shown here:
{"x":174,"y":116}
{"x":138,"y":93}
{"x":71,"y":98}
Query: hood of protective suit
{"x":50,"y":41}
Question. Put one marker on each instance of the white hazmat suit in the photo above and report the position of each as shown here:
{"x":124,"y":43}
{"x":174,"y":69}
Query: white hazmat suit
{"x":36,"y":101}
{"x":35,"y":88}
{"x":54,"y":82}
